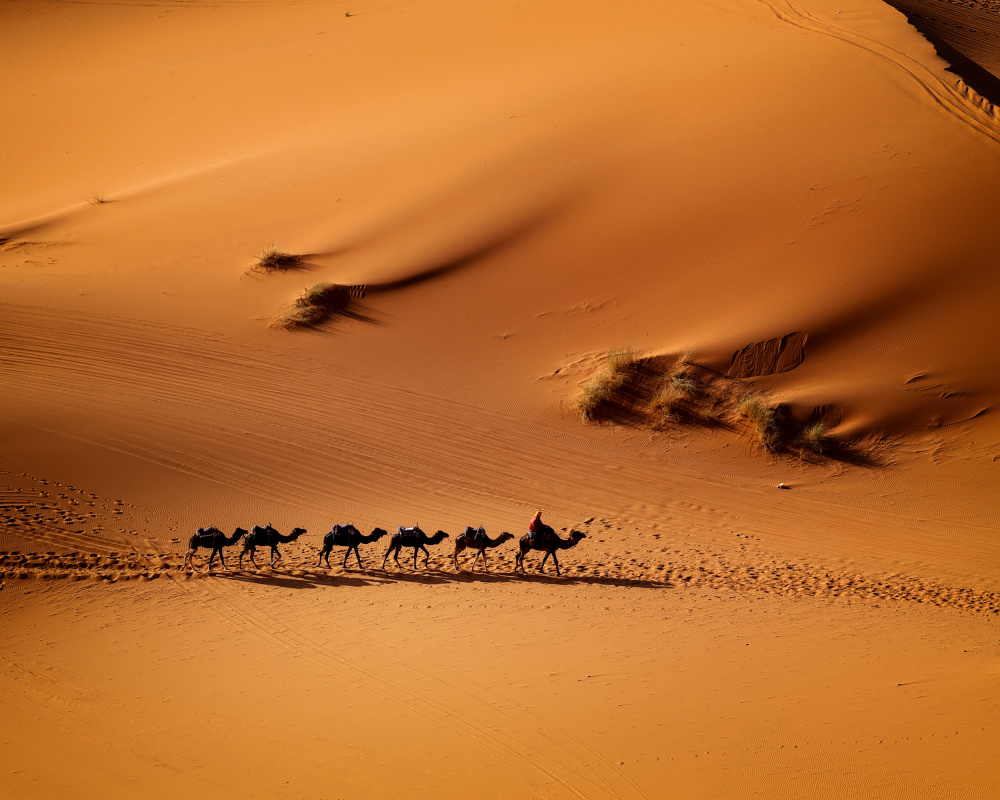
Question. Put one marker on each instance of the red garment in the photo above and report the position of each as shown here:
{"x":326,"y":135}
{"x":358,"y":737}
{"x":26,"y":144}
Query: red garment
{"x":536,"y":524}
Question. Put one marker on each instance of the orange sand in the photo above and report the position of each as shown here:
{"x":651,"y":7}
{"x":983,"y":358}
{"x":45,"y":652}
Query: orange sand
{"x":521,"y":189}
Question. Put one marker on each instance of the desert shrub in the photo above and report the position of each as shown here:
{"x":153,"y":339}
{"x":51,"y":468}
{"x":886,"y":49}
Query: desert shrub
{"x":313,"y":305}
{"x":272,"y":259}
{"x":596,"y":391}
{"x":621,"y":362}
{"x":683,"y":361}
{"x":762,"y":420}
{"x":673,"y":395}
{"x":603,"y":386}
{"x":813,"y":437}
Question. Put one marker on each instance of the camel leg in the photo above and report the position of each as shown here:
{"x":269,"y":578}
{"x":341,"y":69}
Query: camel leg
{"x":275,"y":555}
{"x":476,"y":560}
{"x":324,"y":552}
{"x":386,"y":557}
{"x":519,"y":560}
{"x":547,"y":554}
{"x":485,"y":565}
{"x":222,"y":558}
{"x":253,"y":552}
{"x":211,"y":558}
{"x":427,"y":555}
{"x":556,"y":562}
{"x":187,"y":557}
{"x":357,"y":555}
{"x":457,"y":548}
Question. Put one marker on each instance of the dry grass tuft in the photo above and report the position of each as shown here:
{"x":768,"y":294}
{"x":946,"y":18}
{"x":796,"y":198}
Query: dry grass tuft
{"x":621,"y":362}
{"x":762,"y":420}
{"x":813,"y":437}
{"x":602,"y":387}
{"x":674,"y":395}
{"x":273,"y":259}
{"x":97,"y":200}
{"x":597,"y":391}
{"x":313,"y":305}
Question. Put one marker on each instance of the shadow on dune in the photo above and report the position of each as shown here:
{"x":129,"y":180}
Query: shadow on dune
{"x":322,"y":306}
{"x":377,"y":576}
{"x":350,"y":310}
{"x":947,"y":35}
{"x":286,"y":580}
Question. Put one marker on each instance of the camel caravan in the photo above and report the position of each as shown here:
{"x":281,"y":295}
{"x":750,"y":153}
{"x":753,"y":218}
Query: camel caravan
{"x":539,"y":537}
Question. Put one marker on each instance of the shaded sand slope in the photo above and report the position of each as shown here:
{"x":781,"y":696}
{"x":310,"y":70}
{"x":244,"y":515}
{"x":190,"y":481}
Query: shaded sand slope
{"x":444,"y":689}
{"x":966,"y":34}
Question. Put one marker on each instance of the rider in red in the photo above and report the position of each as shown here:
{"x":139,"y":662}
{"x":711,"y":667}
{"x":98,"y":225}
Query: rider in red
{"x":536,"y":525}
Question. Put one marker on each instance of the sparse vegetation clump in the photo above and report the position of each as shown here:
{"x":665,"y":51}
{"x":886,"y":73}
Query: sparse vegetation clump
{"x":813,"y":438}
{"x":602,"y":387}
{"x":620,"y":363}
{"x":674,"y":395}
{"x":672,"y":391}
{"x":273,"y":259}
{"x":313,"y":305}
{"x":762,"y":419}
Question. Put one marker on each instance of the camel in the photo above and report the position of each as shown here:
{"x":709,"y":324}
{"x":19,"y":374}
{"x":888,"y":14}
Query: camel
{"x":214,"y":538}
{"x":476,"y":539}
{"x":350,"y":537}
{"x":266,"y":536}
{"x":415,"y":538}
{"x":549,"y":541}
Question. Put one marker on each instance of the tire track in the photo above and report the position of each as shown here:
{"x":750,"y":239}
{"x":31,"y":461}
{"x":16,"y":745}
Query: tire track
{"x":962,"y":104}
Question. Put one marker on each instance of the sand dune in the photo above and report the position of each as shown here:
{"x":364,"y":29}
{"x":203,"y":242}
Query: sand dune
{"x":793,"y":199}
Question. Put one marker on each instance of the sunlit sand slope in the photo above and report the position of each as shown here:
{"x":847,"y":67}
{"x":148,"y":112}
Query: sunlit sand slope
{"x":442,"y":688}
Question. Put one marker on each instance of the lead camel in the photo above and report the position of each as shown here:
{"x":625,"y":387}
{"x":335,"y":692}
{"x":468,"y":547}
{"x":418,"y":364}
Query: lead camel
{"x":549,"y":541}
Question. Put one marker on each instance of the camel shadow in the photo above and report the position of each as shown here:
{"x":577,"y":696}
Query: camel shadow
{"x":377,"y":576}
{"x":286,"y":580}
{"x":441,"y":577}
{"x":595,"y":580}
